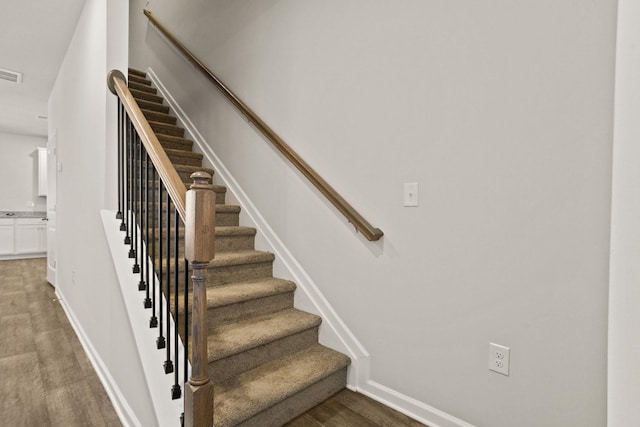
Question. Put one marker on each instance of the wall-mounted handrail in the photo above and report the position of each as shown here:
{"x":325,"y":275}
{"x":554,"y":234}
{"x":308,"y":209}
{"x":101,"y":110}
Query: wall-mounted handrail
{"x":361,"y":224}
{"x":176,"y":188}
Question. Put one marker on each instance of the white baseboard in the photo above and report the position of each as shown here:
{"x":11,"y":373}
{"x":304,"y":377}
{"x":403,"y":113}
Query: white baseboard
{"x":413,"y":408}
{"x":333,"y":332}
{"x":23,"y":256}
{"x":122,"y":408}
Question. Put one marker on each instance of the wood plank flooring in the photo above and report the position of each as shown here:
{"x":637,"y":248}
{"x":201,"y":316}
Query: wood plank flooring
{"x":47,"y":379}
{"x":349,"y":409}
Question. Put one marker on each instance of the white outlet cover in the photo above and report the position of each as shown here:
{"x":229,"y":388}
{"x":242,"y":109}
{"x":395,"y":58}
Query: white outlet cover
{"x":499,"y":358}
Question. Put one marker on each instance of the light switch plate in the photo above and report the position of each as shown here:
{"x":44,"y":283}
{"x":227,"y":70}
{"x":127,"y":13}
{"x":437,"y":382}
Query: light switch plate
{"x":411,"y":194}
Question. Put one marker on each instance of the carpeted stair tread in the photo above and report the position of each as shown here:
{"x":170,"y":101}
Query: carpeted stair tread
{"x":166,"y":129}
{"x":220,"y":230}
{"x":235,"y":231}
{"x":233,"y":293}
{"x":184,"y":158}
{"x":192,"y":169}
{"x":254,"y":391}
{"x":225,"y":259}
{"x":139,"y":79}
{"x":158,"y":116}
{"x":237,"y":337}
{"x":184,"y":153}
{"x":141,"y":95}
{"x":142,"y":87}
{"x":153,"y":106}
{"x":137,"y":72}
{"x":229,"y":259}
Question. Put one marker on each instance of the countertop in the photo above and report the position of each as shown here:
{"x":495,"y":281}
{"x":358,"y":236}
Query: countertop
{"x":22,"y":214}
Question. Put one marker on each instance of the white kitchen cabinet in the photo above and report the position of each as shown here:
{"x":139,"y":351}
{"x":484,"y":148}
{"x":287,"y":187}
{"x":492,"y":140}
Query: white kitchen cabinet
{"x":30,"y":235}
{"x":6,"y":236}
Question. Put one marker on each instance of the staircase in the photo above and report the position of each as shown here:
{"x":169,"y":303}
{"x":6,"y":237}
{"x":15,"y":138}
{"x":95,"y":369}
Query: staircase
{"x":264,"y":358}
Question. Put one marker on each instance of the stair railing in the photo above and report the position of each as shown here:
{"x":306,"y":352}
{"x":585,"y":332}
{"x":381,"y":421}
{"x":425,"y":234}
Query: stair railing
{"x":161,"y":220}
{"x":361,"y":224}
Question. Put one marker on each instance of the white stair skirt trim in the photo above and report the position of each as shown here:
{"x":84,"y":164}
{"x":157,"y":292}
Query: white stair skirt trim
{"x":159,"y":385}
{"x":333,"y":332}
{"x":125,"y":413}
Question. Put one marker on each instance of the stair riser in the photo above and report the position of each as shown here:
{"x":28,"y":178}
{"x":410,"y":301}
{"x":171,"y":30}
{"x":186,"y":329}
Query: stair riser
{"x":157,"y":116}
{"x":228,"y":367}
{"x":219,"y":190}
{"x":222,"y":243}
{"x":224,"y":315}
{"x":176,"y":145}
{"x":240,"y":273}
{"x":142,"y":87}
{"x":219,"y":316}
{"x":167,"y":129}
{"x":228,"y":274}
{"x":235,"y":273}
{"x":140,"y":95}
{"x":185,"y":160}
{"x":296,"y":405}
{"x":223,"y":219}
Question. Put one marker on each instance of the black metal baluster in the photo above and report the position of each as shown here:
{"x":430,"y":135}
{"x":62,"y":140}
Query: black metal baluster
{"x":186,"y":320}
{"x":127,"y":184}
{"x":142,"y":285}
{"x":176,"y":390}
{"x":147,"y":300}
{"x":153,"y":322}
{"x":168,"y":364}
{"x":119,"y":214}
{"x":136,"y":203}
{"x":132,"y":192}
{"x":161,"y":343}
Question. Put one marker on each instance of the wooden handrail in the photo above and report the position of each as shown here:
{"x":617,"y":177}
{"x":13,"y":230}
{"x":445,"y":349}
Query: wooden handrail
{"x":196,"y":208}
{"x":361,"y":224}
{"x":167,"y":172}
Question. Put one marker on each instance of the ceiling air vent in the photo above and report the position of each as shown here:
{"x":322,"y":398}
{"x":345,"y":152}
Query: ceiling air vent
{"x":11,"y":76}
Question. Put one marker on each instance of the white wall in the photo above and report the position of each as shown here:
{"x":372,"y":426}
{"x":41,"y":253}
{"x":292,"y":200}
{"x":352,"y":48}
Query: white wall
{"x":502,"y":112}
{"x":19,"y":172}
{"x":86,"y":279}
{"x":624,"y":294}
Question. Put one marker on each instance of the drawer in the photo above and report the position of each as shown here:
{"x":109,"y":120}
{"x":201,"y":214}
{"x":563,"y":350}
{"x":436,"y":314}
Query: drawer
{"x":30,"y":221}
{"x":6,"y":221}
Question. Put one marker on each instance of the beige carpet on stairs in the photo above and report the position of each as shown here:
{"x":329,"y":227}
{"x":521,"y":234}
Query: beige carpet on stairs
{"x":264,"y":357}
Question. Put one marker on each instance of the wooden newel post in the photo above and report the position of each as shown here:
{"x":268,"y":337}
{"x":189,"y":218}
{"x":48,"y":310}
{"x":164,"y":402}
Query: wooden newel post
{"x":199,"y":250}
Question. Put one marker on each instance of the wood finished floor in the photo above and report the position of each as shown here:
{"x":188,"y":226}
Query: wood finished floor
{"x":349,"y":409}
{"x":47,"y":379}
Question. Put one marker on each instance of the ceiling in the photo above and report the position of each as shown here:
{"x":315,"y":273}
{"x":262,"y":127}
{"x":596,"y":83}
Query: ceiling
{"x":34,"y":36}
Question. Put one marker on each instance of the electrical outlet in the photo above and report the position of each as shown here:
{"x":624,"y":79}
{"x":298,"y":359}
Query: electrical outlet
{"x":499,"y":358}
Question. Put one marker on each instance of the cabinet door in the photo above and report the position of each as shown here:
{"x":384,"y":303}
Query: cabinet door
{"x":43,"y":238}
{"x":27,"y":239}
{"x":6,"y":239}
